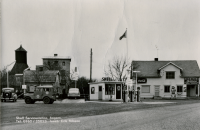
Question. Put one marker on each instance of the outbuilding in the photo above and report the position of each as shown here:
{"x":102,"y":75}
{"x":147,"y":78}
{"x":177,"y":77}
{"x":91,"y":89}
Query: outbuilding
{"x":106,"y":90}
{"x":167,"y":79}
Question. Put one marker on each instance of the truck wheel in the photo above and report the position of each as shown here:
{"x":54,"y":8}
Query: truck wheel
{"x":51,"y":101}
{"x":33,"y":101}
{"x":28,"y":100}
{"x":46,"y":100}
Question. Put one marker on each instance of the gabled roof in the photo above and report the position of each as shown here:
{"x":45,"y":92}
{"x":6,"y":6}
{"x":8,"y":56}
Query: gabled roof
{"x":43,"y":76}
{"x":150,"y":69}
{"x":47,"y":72}
{"x":21,"y":49}
{"x":169,"y":64}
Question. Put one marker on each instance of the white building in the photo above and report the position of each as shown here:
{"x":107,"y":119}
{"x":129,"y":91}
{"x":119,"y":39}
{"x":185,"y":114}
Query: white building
{"x":103,"y":90}
{"x":157,"y":78}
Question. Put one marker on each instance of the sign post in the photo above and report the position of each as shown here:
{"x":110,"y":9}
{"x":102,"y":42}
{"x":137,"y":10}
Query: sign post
{"x":136,"y":85}
{"x":76,"y":76}
{"x":23,"y":86}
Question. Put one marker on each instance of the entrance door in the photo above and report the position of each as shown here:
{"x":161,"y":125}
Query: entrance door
{"x":157,"y":90}
{"x":100,"y":92}
{"x":188,"y":90}
{"x":191,"y":91}
{"x":118,"y":91}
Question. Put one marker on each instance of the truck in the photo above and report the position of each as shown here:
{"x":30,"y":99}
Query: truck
{"x":47,"y":94}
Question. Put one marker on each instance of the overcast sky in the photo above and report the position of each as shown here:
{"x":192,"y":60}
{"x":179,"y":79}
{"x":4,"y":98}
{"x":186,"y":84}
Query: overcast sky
{"x":73,"y":27}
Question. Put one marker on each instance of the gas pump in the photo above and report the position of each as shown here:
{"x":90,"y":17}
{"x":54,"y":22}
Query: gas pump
{"x":138,"y":94}
{"x":133,"y":91}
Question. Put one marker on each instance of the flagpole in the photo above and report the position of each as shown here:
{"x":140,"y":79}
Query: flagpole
{"x":126,"y":45}
{"x":127,"y":56}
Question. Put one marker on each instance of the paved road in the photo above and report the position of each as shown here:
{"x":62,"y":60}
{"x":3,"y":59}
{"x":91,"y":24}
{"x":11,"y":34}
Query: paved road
{"x":180,"y":117}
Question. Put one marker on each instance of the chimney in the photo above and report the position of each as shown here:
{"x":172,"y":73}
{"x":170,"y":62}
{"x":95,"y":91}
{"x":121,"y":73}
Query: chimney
{"x":156,"y":59}
{"x":55,"y":55}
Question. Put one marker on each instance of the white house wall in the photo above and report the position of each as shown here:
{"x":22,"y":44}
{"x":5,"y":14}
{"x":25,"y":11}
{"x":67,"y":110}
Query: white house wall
{"x":162,"y":82}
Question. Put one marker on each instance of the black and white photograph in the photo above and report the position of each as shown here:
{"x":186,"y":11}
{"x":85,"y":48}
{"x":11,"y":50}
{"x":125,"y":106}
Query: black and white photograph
{"x":100,"y":64}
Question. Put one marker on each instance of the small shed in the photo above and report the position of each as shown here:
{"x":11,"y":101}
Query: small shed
{"x":106,"y":90}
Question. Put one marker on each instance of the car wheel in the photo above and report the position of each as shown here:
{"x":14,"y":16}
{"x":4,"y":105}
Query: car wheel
{"x":28,"y":100}
{"x":46,"y":100}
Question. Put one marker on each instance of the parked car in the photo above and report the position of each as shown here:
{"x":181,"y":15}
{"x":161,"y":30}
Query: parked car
{"x":8,"y":94}
{"x":41,"y":93}
{"x":73,"y":93}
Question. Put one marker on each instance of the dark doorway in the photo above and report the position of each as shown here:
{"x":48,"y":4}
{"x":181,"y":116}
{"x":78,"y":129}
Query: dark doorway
{"x":191,"y":90}
{"x":118,"y":91}
{"x":100,"y":92}
{"x":63,"y":94}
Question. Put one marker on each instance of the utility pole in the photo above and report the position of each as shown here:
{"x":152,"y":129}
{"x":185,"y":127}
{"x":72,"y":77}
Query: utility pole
{"x":91,"y":65}
{"x":76,"y":76}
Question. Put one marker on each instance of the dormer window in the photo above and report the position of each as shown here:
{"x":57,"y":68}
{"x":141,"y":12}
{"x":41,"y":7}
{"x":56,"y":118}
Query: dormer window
{"x":170,"y":75}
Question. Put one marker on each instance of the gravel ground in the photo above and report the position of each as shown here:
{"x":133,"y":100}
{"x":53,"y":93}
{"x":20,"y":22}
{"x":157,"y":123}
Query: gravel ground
{"x":175,"y":117}
{"x":10,"y":110}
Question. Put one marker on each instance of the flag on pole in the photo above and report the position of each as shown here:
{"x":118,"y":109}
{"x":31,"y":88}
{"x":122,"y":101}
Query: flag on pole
{"x":123,"y":36}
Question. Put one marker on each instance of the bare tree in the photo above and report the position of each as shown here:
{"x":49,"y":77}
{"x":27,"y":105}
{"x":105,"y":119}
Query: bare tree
{"x":38,"y":76}
{"x":51,"y":65}
{"x":117,"y":68}
{"x":3,"y":77}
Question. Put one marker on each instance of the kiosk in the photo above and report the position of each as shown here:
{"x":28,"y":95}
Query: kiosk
{"x":106,"y":89}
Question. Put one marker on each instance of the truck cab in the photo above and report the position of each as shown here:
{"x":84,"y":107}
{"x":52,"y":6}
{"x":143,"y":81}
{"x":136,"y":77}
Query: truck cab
{"x":47,"y":94}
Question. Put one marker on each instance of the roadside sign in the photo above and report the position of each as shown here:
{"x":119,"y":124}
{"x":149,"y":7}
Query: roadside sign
{"x":23,"y":86}
{"x":76,"y":76}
